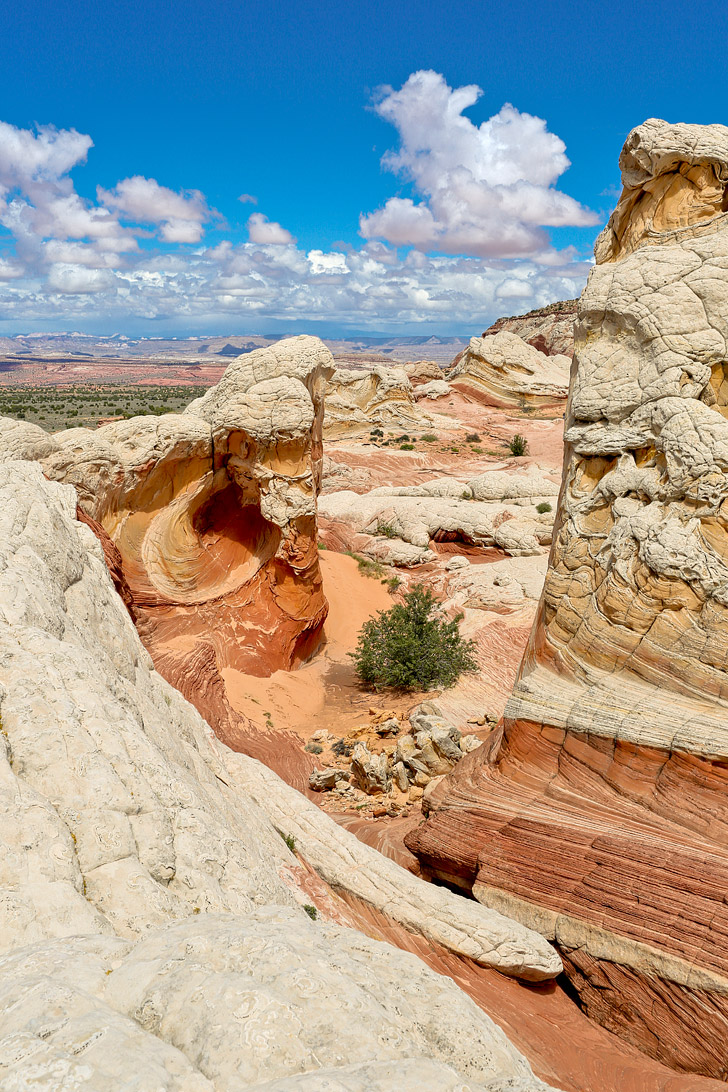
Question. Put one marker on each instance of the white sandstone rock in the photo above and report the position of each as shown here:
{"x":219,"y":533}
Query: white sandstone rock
{"x":147,"y":901}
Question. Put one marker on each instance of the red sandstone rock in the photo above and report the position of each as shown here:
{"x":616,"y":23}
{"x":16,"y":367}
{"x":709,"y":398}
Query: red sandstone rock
{"x":600,"y":818}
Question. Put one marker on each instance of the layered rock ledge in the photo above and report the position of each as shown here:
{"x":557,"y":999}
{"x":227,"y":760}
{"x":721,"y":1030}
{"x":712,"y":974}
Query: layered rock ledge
{"x":600,"y":818}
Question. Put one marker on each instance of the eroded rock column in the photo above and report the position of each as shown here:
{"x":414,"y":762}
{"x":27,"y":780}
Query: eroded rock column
{"x":600,"y":818}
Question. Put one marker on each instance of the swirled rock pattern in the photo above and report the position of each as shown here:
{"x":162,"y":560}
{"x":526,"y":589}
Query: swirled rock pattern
{"x":359,"y":400}
{"x":601,"y":819}
{"x":504,"y":370}
{"x":152,"y":920}
{"x":211,"y":515}
{"x":212,"y":510}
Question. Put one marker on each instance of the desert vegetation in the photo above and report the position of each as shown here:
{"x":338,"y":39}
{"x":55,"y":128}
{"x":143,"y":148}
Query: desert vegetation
{"x":410,"y":648}
{"x":76,"y":406}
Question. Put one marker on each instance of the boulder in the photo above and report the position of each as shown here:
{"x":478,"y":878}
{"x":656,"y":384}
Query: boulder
{"x":321,"y":780}
{"x":370,"y":771}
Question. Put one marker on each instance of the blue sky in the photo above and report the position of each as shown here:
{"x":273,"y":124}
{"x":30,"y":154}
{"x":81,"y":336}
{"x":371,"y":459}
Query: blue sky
{"x":128,"y":216}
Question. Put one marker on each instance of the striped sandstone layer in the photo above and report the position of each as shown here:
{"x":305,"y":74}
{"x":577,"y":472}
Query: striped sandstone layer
{"x":600,"y":816}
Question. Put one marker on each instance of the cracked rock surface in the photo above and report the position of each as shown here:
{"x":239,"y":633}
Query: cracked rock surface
{"x":151,"y":918}
{"x":600,"y":819}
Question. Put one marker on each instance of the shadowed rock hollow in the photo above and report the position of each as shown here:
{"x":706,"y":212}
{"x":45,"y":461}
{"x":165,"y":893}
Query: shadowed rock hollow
{"x":600,"y":819}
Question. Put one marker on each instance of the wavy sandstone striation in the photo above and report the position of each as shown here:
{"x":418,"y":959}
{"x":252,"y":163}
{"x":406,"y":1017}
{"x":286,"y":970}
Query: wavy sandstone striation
{"x":212,"y":513}
{"x":600,"y":818}
{"x":504,"y":370}
{"x":380,"y":397}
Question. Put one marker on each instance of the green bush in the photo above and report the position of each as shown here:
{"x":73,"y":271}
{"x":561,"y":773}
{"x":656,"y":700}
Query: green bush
{"x":429,"y":438}
{"x":310,"y":910}
{"x":406,"y":447}
{"x":518,"y":445}
{"x":544,"y":506}
{"x":473,"y":438}
{"x":409,"y":648}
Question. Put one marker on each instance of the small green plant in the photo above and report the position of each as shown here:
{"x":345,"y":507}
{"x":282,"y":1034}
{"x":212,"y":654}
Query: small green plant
{"x":313,"y":748}
{"x":409,"y":648}
{"x":368,"y":567}
{"x":322,"y":546}
{"x":544,"y":506}
{"x":386,"y":530}
{"x":518,"y":445}
{"x":429,"y":438}
{"x":466,"y":495}
{"x":289,"y":840}
{"x":404,"y":438}
{"x":311,"y":911}
{"x":393,"y":584}
{"x":342,"y":749}
{"x":473,"y":438}
{"x":477,"y":450}
{"x":406,"y":447}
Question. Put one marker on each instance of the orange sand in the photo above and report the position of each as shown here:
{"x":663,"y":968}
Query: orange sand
{"x":324,"y":692}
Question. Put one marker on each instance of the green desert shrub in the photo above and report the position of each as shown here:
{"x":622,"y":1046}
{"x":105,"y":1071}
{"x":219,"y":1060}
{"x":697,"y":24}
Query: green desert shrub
{"x":429,"y":438}
{"x":518,"y":444}
{"x":544,"y":506}
{"x":409,"y":648}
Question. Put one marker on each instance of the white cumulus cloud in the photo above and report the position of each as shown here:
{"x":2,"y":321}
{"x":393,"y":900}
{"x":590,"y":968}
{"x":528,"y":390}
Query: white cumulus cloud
{"x":263,"y":230}
{"x":486,"y":190}
{"x":471,"y":235}
{"x":180,"y":216}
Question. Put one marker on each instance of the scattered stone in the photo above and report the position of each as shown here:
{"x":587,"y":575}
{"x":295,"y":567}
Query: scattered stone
{"x":457,"y":562}
{"x":470,"y":743}
{"x":370,"y":771}
{"x":389,"y":727}
{"x":322,"y":780}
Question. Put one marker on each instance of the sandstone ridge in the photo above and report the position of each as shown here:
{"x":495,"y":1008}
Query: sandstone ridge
{"x":600,"y":818}
{"x":504,"y":370}
{"x":151,"y":916}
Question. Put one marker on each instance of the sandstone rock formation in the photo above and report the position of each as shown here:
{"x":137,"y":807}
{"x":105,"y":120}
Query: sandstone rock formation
{"x":436,"y":388}
{"x":213,"y":514}
{"x":153,"y":922}
{"x":445,"y":509}
{"x":212,"y":510}
{"x":380,"y":397}
{"x":503,"y":370}
{"x":601,"y":817}
{"x":549,"y":329}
